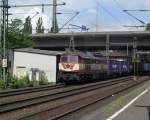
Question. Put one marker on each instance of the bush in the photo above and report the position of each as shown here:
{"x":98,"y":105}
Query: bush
{"x":33,"y":83}
{"x":44,"y":80}
{"x":15,"y":83}
{"x":19,"y":83}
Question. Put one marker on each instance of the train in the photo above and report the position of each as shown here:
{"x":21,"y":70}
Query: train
{"x":144,"y":68}
{"x":89,"y":66}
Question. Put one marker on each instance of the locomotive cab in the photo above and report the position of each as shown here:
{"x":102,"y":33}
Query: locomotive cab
{"x":69,"y":58}
{"x":68,"y":66}
{"x":69,"y":63}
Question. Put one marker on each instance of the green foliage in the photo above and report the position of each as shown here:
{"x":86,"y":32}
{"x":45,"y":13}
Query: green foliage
{"x":44,"y":80}
{"x":27,"y":26}
{"x":33,"y":83}
{"x":18,"y":39}
{"x":2,"y":84}
{"x":19,"y":83}
{"x":15,"y":83}
{"x":39,"y":27}
{"x":14,"y":25}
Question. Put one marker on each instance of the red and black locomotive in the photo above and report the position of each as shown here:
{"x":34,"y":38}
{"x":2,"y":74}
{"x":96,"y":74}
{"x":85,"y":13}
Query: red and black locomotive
{"x":83,"y":66}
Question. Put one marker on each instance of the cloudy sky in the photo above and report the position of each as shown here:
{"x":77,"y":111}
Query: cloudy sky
{"x":98,"y":15}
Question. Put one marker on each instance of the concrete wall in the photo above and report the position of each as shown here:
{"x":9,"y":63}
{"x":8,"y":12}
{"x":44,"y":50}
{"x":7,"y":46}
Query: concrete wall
{"x":23,"y":62}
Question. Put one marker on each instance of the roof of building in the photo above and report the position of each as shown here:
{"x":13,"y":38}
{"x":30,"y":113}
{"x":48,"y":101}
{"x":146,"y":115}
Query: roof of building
{"x":38,"y":51}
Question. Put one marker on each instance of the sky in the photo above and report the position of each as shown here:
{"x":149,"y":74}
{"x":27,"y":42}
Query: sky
{"x":97,"y":15}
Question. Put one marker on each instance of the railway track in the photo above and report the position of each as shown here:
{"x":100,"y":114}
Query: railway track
{"x":79,"y":104}
{"x":62,"y":103}
{"x":44,"y":92}
{"x":8,"y":93}
{"x":9,"y":106}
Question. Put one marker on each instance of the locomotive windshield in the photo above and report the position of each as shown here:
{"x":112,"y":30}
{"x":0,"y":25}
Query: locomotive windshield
{"x":63,"y":59}
{"x":73,"y":59}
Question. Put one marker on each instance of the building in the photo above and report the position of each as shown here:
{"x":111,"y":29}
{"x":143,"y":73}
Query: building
{"x":35,"y":63}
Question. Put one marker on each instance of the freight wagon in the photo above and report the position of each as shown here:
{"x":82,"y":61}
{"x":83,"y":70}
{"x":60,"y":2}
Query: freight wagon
{"x":144,"y":68}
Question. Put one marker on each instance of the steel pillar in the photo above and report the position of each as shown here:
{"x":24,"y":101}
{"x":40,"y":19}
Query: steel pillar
{"x":4,"y":34}
{"x":54,"y":28}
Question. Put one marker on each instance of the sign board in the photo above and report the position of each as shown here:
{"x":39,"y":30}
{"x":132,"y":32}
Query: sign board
{"x":4,"y":63}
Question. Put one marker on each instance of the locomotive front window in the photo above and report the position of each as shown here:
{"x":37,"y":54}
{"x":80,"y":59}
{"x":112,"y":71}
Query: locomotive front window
{"x":64,"y":59}
{"x":73,"y":59}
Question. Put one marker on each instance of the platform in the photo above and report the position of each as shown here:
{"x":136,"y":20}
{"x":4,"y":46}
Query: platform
{"x":136,"y":109}
{"x":129,"y":105}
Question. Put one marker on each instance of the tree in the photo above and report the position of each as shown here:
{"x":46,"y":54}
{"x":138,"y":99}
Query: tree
{"x":27,"y":26}
{"x":15,"y":25}
{"x":39,"y":27}
{"x":17,"y":38}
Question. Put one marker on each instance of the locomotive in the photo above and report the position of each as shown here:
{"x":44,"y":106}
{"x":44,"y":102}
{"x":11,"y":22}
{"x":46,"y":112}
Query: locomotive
{"x":81,"y":66}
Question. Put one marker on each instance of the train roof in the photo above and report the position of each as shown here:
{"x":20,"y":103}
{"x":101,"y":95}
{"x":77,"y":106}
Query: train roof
{"x":96,"y":55}
{"x":87,"y":55}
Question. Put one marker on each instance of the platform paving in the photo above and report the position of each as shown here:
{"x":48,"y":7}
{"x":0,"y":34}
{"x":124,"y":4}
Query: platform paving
{"x":138,"y":110}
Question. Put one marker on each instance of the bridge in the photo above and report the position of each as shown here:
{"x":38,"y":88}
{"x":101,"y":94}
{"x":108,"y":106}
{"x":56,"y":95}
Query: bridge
{"x":93,"y":40}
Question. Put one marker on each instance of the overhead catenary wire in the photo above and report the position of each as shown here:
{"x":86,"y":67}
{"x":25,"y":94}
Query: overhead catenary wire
{"x":122,"y":8}
{"x":69,"y":21}
{"x":110,"y":14}
{"x":140,"y":10}
{"x":97,"y":8}
{"x":31,"y":19}
{"x":126,"y":11}
{"x":22,"y":13}
{"x":15,"y":6}
{"x":141,"y":21}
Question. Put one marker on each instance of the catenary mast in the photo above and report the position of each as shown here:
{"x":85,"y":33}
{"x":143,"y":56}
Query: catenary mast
{"x":4,"y":34}
{"x":54,"y":28}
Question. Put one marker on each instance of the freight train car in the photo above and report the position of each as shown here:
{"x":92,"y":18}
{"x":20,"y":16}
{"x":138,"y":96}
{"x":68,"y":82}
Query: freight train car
{"x":144,"y":68}
{"x":147,"y":67}
{"x":85,"y":66}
